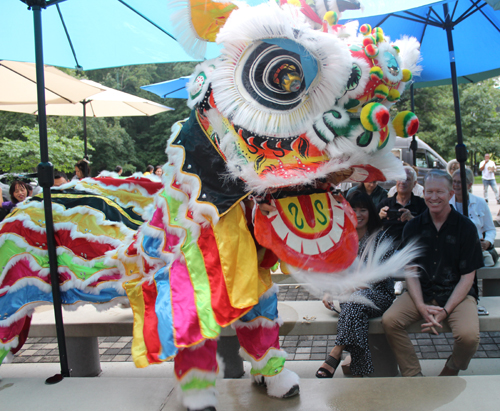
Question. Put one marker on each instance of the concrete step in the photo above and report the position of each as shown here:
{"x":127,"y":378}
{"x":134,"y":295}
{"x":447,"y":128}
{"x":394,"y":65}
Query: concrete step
{"x":467,"y":392}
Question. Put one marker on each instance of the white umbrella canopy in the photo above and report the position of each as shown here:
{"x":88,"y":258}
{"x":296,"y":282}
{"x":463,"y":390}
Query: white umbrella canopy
{"x":18,"y":85}
{"x":106,"y":103}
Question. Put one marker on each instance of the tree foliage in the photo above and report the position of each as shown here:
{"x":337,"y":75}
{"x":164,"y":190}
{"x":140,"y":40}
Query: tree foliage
{"x":23,"y":155}
{"x":479,"y":105}
{"x":132,"y":142}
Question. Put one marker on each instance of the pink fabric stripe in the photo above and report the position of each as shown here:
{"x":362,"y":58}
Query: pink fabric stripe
{"x":202,"y":358}
{"x":186,"y":322}
{"x":22,"y":270}
{"x":257,"y":341}
{"x":157,"y":220}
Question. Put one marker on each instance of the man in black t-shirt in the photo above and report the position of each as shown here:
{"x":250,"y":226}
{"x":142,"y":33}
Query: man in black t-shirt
{"x":446,"y":287}
{"x":397,"y":210}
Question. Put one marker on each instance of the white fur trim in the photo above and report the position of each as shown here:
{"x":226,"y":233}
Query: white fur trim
{"x":280,"y":384}
{"x":9,"y":345}
{"x":275,"y":289}
{"x":199,"y":399}
{"x":258,"y":322}
{"x":340,"y":285}
{"x":243,"y":31}
{"x":193,"y":87}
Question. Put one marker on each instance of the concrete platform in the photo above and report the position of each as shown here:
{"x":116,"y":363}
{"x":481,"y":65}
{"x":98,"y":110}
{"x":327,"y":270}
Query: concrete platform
{"x":341,"y":394}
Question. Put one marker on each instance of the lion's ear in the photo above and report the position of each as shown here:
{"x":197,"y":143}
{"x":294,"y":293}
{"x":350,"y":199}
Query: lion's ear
{"x":197,"y":22}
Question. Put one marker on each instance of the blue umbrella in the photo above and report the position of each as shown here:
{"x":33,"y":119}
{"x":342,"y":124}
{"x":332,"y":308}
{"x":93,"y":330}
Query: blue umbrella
{"x":92,"y":34}
{"x":169,"y":89}
{"x":458,"y":41}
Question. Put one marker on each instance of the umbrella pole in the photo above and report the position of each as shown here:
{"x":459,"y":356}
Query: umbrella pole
{"x":84,"y":102}
{"x":460,"y":149}
{"x":414,"y":142}
{"x":46,"y":180}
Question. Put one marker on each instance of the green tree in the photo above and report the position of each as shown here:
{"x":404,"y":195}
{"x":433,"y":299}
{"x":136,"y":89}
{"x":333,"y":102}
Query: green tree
{"x":435,"y":109}
{"x":23,"y":155}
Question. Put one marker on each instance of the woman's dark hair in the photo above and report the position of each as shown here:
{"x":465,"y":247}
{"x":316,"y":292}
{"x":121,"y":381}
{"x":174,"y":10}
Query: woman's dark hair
{"x":156,"y":168}
{"x":149,"y":169}
{"x":360,"y":199}
{"x":84,"y":167}
{"x":12,"y":189}
{"x":118,"y":169}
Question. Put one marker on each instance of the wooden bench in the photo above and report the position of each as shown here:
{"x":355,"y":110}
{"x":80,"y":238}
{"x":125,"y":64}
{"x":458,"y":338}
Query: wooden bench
{"x":84,"y":326}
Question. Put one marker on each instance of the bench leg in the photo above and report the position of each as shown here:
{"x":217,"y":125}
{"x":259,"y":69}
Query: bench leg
{"x":83,"y":356}
{"x":491,"y":287}
{"x":384,"y":361}
{"x":228,"y":348}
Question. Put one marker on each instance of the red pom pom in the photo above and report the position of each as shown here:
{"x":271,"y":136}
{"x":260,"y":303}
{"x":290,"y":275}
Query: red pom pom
{"x":371,"y":51}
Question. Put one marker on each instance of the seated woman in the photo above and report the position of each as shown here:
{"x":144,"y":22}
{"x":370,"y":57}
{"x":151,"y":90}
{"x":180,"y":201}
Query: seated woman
{"x":352,"y":327}
{"x":18,"y":193}
{"x":479,"y":214}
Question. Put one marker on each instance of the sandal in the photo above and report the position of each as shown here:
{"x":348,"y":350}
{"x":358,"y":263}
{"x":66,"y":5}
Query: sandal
{"x":323,"y":372}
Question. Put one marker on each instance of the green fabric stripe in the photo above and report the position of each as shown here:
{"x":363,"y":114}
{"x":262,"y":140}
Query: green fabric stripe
{"x":197,"y":384}
{"x":197,"y":271}
{"x":10,"y":249}
{"x":3,"y":354}
{"x":81,"y":271}
{"x":273,"y":367}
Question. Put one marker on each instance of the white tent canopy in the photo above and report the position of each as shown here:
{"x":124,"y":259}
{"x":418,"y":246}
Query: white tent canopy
{"x":107,"y":103}
{"x":18,"y":85}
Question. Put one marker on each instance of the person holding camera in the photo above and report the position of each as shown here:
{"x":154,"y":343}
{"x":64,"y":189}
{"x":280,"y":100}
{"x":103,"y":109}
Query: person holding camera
{"x":397,"y":210}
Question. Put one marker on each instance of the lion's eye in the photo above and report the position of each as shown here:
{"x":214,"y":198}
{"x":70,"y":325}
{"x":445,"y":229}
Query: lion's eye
{"x":273,"y":76}
{"x":392,"y":64}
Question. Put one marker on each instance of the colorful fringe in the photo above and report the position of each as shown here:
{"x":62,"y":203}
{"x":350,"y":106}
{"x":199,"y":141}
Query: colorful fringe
{"x":88,"y":224}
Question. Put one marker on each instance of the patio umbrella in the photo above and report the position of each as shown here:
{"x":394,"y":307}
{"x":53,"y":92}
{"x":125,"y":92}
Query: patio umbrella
{"x":108,"y":102}
{"x":458,"y":40}
{"x":169,"y":89}
{"x":91,"y":34}
{"x":18,"y":85}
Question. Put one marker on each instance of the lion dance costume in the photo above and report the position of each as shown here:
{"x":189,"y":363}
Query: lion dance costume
{"x":293,"y":99}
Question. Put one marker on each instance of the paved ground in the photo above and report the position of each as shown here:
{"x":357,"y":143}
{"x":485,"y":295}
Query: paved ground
{"x":117,"y":349}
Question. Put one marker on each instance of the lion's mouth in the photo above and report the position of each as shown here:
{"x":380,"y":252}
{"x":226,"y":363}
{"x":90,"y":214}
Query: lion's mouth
{"x":314,"y":232}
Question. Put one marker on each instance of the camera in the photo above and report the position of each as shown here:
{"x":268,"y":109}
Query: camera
{"x":393,"y":213}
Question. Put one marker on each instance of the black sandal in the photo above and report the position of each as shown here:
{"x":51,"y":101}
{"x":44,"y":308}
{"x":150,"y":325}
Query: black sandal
{"x":323,"y":372}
